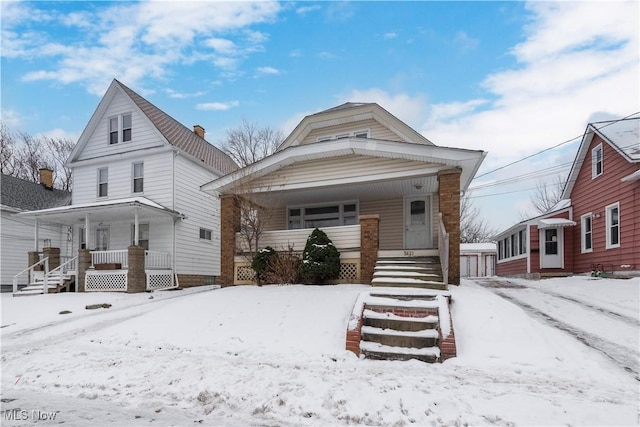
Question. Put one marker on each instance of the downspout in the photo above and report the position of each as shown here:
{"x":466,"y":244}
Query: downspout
{"x":173,"y":207}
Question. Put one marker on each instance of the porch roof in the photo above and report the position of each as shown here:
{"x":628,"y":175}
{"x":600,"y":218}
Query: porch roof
{"x":555,"y":223}
{"x":107,"y":210}
{"x":433,"y":158}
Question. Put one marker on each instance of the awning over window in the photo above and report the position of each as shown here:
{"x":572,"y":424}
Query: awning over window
{"x":555,"y":223}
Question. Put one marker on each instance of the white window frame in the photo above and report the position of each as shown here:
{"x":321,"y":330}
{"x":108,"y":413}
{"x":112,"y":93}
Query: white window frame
{"x":99,"y":183}
{"x":120,"y":131}
{"x":594,"y":161}
{"x":343,"y":135}
{"x":583,"y":233}
{"x":141,"y":225}
{"x":208,"y":234}
{"x":609,"y":209}
{"x":341,"y":212}
{"x":134,"y":177}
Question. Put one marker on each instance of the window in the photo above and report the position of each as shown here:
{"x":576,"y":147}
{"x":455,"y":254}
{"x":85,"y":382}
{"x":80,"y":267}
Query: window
{"x":205,"y":234}
{"x":500,"y":250}
{"x":126,"y":127}
{"x":362,"y":134}
{"x":596,"y":161}
{"x":138,"y":177}
{"x":143,"y":235}
{"x":103,"y":182}
{"x":551,"y":241}
{"x":120,"y":128}
{"x":613,"y":226}
{"x":586,"y":229}
{"x":523,"y":241}
{"x":323,"y":215}
{"x":356,"y":134}
{"x":82,"y":238}
{"x":514,"y":245}
{"x":102,"y":238}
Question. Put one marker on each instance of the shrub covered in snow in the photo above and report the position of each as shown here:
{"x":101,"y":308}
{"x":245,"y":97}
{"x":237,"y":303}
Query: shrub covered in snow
{"x":260,"y":263}
{"x":320,"y":259}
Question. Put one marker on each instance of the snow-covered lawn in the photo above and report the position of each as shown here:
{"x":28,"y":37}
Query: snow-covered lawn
{"x":275,"y":356}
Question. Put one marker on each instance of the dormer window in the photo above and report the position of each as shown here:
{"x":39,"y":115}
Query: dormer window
{"x":120,"y":128}
{"x":596,"y":161}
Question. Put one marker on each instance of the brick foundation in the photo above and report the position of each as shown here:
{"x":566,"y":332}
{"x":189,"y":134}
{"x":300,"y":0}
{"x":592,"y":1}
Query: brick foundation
{"x":353,"y":337}
{"x":54,"y":257}
{"x":448,"y":347}
{"x":229,"y":226}
{"x":449,"y":203}
{"x":369,"y":244}
{"x":193,"y":280}
{"x":84,"y":262}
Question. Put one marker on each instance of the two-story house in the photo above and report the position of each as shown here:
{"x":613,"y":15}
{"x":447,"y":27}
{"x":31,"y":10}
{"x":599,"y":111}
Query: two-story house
{"x":596,"y":225}
{"x":138,"y":218}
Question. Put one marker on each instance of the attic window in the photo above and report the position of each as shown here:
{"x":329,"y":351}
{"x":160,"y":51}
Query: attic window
{"x":120,"y":128}
{"x":596,"y":161}
{"x":356,"y":134}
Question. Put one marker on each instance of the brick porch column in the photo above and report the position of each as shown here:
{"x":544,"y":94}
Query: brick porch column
{"x":449,"y":200}
{"x":369,"y":244}
{"x":136,"y":277}
{"x":229,"y":226}
{"x":84,"y":262}
{"x":54,"y":257}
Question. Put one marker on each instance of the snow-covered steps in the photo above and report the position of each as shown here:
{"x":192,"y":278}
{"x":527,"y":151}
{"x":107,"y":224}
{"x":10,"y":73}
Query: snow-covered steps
{"x":414,"y":272}
{"x":388,"y":320}
{"x":372,"y":350}
{"x":55,"y":284}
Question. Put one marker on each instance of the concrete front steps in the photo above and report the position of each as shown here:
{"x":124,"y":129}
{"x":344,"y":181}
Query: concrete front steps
{"x":423,"y":272}
{"x":402,"y":324}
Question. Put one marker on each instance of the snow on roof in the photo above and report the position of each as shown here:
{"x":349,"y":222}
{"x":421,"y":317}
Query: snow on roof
{"x":555,"y":222}
{"x":478,"y":247}
{"x":634,"y":176}
{"x":562,"y":204}
{"x":143,"y":201}
{"x":625,"y":134}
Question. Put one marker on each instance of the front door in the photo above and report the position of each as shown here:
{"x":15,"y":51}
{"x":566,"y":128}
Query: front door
{"x":551,"y":250}
{"x":417,"y":213}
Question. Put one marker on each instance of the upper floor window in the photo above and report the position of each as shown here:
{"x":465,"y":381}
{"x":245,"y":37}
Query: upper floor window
{"x":586,"y":230}
{"x":613,"y":225}
{"x":205,"y":234}
{"x":138,"y":177}
{"x":596,"y":161}
{"x":103,"y":182}
{"x":120,"y":128}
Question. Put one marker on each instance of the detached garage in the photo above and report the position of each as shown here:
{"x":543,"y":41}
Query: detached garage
{"x":477,"y":259}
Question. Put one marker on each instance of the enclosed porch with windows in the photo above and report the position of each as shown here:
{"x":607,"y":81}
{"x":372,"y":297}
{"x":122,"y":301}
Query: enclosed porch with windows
{"x":373,"y":199}
{"x":122,"y":245}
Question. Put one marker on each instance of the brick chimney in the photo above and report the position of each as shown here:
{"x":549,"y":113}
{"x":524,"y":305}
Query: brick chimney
{"x":198,"y":130}
{"x":46,"y":177}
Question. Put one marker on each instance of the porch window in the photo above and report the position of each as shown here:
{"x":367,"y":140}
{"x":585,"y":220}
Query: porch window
{"x":143,"y":235}
{"x":596,"y":161}
{"x":613,"y":226}
{"x":205,"y":234}
{"x":523,"y":241}
{"x":514,"y":245}
{"x":587,"y":233}
{"x":103,"y":182}
{"x":323,"y":215}
{"x":102,"y":238}
{"x":82,"y":238}
{"x":138,"y":177}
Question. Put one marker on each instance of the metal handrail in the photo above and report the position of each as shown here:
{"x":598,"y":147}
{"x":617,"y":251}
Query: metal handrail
{"x":44,"y":261}
{"x":443,"y":248}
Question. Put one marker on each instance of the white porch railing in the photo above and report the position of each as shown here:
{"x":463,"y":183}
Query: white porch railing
{"x":44,"y":261}
{"x":443,"y":248}
{"x":157,"y":260}
{"x":111,"y":257}
{"x":58,"y":274}
{"x":343,"y":237}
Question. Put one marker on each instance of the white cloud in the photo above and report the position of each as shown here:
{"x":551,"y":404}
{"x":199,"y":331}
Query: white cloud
{"x":390,"y":35}
{"x":179,"y":95}
{"x":268,"y":70}
{"x":465,"y":42}
{"x":306,"y":9}
{"x":221,"y":45}
{"x":10,"y":118}
{"x":217,"y":106}
{"x":410,"y":109}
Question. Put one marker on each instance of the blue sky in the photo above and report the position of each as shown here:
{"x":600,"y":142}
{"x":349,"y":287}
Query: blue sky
{"x":510,"y":78}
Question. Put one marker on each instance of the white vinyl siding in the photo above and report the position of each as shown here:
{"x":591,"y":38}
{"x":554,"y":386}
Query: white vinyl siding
{"x":376,"y":131}
{"x":586,"y":233}
{"x":144,"y":134}
{"x":613,"y":226}
{"x":195,"y":255}
{"x":157,"y":179}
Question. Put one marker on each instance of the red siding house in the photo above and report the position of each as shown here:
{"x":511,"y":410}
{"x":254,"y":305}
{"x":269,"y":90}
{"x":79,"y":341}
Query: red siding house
{"x":596,"y":227}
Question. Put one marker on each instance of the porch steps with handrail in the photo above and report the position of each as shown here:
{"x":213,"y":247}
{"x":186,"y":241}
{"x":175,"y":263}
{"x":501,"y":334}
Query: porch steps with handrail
{"x":61,"y":282}
{"x":422,"y":272}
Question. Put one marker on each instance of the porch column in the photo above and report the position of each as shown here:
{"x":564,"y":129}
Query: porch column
{"x":229,"y":226}
{"x":449,"y":201}
{"x":136,"y":277}
{"x":135,"y":226}
{"x":87,"y":232}
{"x":54,"y":257}
{"x":35,"y":236}
{"x":369,"y":244}
{"x":84,"y":263}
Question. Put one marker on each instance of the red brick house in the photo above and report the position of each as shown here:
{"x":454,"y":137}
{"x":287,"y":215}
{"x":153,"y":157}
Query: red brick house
{"x":596,"y":227}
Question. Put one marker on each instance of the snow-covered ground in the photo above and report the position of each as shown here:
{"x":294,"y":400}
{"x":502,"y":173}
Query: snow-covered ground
{"x":275,"y":356}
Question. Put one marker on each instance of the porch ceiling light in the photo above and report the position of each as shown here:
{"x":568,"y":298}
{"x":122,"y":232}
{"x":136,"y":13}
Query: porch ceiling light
{"x":418,"y":186}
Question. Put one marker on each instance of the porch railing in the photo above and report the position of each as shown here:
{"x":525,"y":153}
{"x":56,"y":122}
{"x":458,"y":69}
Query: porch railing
{"x":44,"y":261}
{"x":59,"y":273}
{"x":343,"y":237}
{"x":157,"y":260}
{"x":443,"y":248}
{"x":111,"y":257}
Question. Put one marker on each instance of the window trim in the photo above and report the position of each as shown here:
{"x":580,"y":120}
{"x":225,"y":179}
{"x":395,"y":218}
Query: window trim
{"x":205,"y":238}
{"x":594,"y":162}
{"x":99,"y":183}
{"x":134,"y":178}
{"x":583,"y":234}
{"x":341,"y":212}
{"x":608,"y":210}
{"x":120,"y":128}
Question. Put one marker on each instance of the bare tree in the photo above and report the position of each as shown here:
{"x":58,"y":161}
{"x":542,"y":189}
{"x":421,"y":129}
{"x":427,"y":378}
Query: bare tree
{"x":60,"y":149}
{"x":473,"y":229}
{"x":248,"y":143}
{"x":8,"y":158}
{"x":33,"y":155}
{"x":547,"y":194}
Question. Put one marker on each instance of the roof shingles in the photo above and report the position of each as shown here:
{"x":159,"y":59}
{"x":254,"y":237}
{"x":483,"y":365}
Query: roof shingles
{"x":25,"y":195}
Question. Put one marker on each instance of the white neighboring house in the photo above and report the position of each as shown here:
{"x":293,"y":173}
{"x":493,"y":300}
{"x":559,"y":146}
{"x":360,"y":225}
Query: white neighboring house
{"x":137,"y":174}
{"x":17,"y":233}
{"x":478,"y":259}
